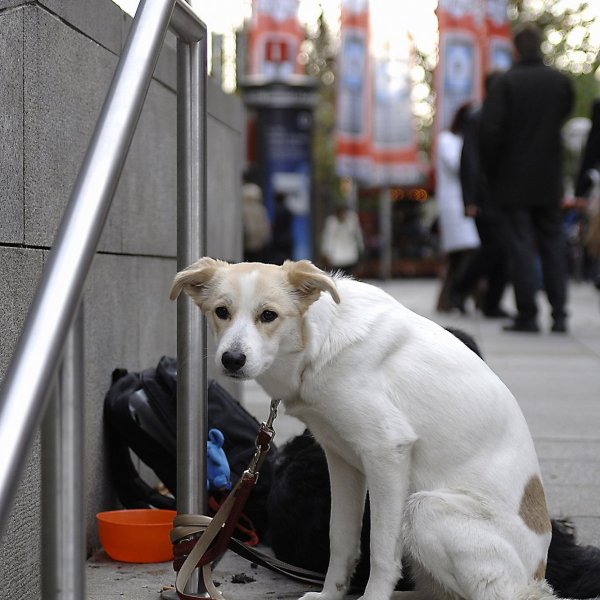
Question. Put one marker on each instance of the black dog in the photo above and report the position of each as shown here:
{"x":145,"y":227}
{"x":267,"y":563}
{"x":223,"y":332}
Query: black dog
{"x":299,"y":507}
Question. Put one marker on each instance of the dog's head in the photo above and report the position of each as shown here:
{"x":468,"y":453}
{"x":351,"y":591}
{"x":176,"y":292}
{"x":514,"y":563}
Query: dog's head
{"x":255,"y":310}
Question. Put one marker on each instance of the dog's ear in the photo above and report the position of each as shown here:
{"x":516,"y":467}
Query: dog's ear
{"x":309,"y":281}
{"x":194,"y":279}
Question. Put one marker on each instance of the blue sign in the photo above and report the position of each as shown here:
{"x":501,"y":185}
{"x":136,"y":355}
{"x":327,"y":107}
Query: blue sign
{"x":286,"y":161}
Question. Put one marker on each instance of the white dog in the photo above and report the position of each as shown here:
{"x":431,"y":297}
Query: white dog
{"x":402,"y":409}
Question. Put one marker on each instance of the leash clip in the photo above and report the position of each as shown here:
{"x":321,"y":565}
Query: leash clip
{"x":265,"y":436}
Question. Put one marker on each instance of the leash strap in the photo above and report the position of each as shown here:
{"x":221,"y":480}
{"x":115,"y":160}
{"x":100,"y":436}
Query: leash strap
{"x":274,"y":564}
{"x":199,"y":540}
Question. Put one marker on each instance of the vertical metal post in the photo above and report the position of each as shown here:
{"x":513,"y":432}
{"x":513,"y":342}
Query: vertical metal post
{"x":63,"y":542}
{"x":385,"y":233}
{"x":191,"y":245}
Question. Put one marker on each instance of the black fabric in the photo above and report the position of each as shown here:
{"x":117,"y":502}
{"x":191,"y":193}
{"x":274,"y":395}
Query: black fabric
{"x":520,"y":135}
{"x":491,"y":259}
{"x":140,"y":413}
{"x":591,"y":155}
{"x":473,"y":183}
{"x":300,"y":491}
{"x":123,"y":433}
{"x":490,"y":262}
{"x":530,"y":233}
{"x":573,"y":571}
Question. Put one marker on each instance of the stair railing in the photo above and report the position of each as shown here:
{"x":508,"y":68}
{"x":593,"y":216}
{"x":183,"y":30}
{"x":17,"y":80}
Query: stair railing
{"x":45,"y":376}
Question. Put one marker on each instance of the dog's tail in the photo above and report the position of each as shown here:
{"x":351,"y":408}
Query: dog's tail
{"x":537,"y":590}
{"x":573,"y":571}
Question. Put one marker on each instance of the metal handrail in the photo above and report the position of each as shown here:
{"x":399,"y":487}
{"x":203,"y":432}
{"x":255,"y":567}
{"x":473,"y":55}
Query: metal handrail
{"x":63,"y":508}
{"x":31,"y":374}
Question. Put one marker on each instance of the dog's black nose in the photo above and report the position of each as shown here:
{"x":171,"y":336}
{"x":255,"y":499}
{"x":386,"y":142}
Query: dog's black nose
{"x":233,"y":361}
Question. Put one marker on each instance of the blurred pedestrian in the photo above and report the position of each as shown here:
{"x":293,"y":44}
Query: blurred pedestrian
{"x":590,"y":158}
{"x":342,"y":242}
{"x":490,"y":262}
{"x":587,"y":188}
{"x":282,"y":237}
{"x":458,"y":234}
{"x":256,"y":224}
{"x":520,"y":140}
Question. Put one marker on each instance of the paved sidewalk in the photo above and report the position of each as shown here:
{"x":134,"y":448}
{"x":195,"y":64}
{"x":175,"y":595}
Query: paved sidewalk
{"x":555,"y":378}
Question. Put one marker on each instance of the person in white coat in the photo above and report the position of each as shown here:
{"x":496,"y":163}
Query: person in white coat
{"x":458,"y":233}
{"x":342,"y":241}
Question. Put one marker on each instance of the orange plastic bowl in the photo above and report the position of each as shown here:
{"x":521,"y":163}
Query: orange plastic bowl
{"x":136,"y":535}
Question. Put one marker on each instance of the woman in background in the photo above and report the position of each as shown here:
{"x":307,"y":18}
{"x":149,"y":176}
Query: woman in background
{"x":458,"y":233}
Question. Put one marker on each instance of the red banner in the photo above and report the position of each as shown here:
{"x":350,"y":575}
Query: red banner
{"x":376,"y":141}
{"x":274,"y":39}
{"x":393,"y":141}
{"x":459,"y":75}
{"x":354,"y":92}
{"x":498,"y":42}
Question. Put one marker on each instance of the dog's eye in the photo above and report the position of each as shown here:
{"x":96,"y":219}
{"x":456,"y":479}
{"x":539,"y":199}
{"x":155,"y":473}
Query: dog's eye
{"x":222,"y":313}
{"x":266,"y":316}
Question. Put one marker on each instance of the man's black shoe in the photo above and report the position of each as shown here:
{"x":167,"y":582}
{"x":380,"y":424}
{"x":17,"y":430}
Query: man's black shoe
{"x":559,"y":326}
{"x":522,"y":326}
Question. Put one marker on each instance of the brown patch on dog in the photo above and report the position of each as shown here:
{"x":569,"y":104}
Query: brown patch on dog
{"x":540,"y":572}
{"x":533,"y":508}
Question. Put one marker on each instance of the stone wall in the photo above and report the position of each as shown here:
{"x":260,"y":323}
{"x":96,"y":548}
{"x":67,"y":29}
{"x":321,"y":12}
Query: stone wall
{"x":57,"y":59}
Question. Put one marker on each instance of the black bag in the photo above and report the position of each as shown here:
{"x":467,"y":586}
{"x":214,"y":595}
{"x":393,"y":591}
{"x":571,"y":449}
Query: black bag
{"x":140,"y":413}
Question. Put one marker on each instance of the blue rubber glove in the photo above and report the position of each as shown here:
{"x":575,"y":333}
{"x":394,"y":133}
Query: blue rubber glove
{"x":217,"y":467}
